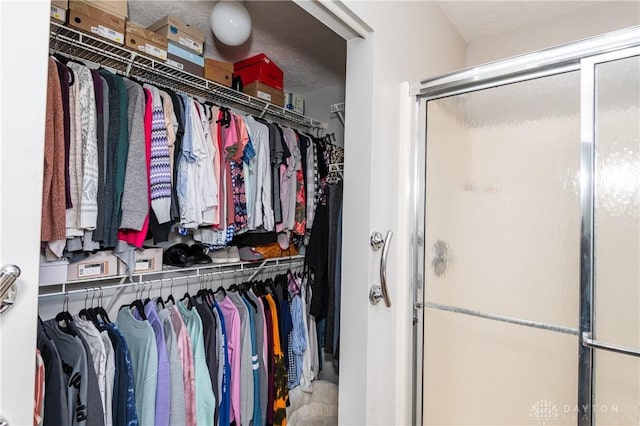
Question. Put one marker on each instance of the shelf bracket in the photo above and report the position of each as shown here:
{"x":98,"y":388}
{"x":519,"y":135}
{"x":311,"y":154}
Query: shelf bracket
{"x":338,"y":109}
{"x":131,"y":61}
{"x":264,"y":110}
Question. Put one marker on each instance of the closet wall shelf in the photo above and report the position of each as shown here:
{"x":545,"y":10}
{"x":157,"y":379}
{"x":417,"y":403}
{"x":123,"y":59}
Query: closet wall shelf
{"x":179,"y":276}
{"x":76,"y":44}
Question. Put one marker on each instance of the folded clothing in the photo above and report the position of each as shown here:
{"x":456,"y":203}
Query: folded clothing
{"x":183,"y":255}
{"x":249,"y":254}
{"x":199,"y":254}
{"x":178,"y":255}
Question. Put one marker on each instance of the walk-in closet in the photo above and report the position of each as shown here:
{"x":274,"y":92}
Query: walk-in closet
{"x":207,"y":290}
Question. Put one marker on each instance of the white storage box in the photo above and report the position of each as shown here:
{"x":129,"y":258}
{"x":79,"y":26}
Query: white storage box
{"x":99,"y":265}
{"x":149,"y":259}
{"x":52,"y":273}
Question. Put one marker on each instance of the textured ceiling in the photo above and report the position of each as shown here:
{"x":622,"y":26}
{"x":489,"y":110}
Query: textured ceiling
{"x":310,"y":54}
{"x":475,"y":20}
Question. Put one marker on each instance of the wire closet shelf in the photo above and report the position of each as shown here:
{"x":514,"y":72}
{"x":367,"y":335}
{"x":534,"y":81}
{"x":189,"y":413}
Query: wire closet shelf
{"x":78,"y":45}
{"x":196,"y":275}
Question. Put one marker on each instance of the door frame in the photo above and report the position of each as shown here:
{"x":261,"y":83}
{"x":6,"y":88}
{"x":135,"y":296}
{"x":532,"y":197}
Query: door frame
{"x":574,"y":56}
{"x":588,"y":110}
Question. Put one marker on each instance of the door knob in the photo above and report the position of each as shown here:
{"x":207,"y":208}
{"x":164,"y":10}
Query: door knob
{"x":8,"y":290}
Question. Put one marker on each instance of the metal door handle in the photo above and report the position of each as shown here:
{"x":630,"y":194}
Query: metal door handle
{"x":380,"y":292}
{"x":8,"y":290}
{"x":588,"y":342}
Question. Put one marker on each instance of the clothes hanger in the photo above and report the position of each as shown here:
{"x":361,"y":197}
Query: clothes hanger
{"x":148,"y":299}
{"x":201,"y":291}
{"x":97,"y":315}
{"x":292,"y":284}
{"x":190,"y":300}
{"x":226,"y":117}
{"x":137,"y":304}
{"x":63,"y":60}
{"x":100,"y":311}
{"x":64,"y":315}
{"x":245,"y":295}
{"x":85,"y":312}
{"x":205,"y":293}
{"x":221,"y":289}
{"x":170,"y":296}
{"x":159,"y":301}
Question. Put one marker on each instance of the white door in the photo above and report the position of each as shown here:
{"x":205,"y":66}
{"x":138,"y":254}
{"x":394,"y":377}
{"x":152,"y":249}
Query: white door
{"x":616,"y":280}
{"x":532,"y":232}
{"x":23,"y":57}
{"x":502,"y":238}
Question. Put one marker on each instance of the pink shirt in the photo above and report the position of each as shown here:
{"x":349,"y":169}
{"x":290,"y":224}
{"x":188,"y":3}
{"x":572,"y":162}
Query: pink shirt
{"x":186,"y":357}
{"x":232,"y":325}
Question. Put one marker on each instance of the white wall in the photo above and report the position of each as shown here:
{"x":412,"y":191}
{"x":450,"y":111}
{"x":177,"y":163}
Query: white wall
{"x":410,"y":41}
{"x":318,"y":104}
{"x":610,"y":16}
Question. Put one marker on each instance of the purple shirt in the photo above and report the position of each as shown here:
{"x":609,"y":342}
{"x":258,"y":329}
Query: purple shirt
{"x":163,"y":389}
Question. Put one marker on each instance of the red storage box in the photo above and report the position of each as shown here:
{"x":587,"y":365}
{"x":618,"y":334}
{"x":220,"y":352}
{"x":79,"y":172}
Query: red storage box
{"x":259,"y":68}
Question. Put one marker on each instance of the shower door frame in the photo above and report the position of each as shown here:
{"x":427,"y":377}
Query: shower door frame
{"x":580,"y":56}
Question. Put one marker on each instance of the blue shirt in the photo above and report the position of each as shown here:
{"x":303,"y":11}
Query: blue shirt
{"x":123,"y":414}
{"x":225,"y":399}
{"x":299,"y":342}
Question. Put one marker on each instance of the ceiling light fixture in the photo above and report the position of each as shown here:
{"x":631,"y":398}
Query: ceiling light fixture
{"x":230,"y":22}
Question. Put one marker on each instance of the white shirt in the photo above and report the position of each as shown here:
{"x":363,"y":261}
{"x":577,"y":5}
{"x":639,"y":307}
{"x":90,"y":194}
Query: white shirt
{"x":260,"y":173}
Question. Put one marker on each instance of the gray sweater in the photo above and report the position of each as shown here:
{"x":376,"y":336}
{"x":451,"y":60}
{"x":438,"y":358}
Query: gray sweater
{"x":74,"y":366}
{"x":135,"y":197}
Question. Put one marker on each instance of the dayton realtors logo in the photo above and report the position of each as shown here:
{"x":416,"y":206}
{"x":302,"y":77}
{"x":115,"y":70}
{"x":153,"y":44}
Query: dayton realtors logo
{"x":544,"y":411}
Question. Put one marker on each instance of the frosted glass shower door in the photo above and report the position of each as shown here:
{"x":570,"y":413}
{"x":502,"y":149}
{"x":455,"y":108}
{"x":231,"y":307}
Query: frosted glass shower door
{"x":616,"y":319}
{"x":502,"y":237}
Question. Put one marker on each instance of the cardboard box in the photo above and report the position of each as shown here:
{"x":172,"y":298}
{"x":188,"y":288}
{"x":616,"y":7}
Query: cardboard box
{"x":259,"y":68}
{"x":218,"y":71}
{"x":98,"y":22}
{"x":145,"y":41}
{"x":101,"y":264}
{"x":176,"y":30}
{"x":149,"y":259}
{"x":52,"y":273}
{"x":114,"y":7}
{"x":294,"y":102}
{"x":266,"y":93}
{"x":184,"y":60}
{"x":58,"y":13}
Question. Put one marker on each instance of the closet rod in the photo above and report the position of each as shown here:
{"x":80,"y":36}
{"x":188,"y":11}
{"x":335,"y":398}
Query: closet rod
{"x":280,"y":264}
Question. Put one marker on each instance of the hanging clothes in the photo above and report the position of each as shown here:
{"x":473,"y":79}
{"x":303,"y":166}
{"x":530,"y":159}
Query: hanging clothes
{"x":205,"y":399}
{"x":185,"y":350}
{"x":177,"y":407}
{"x":53,"y":191}
{"x":144,"y":361}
